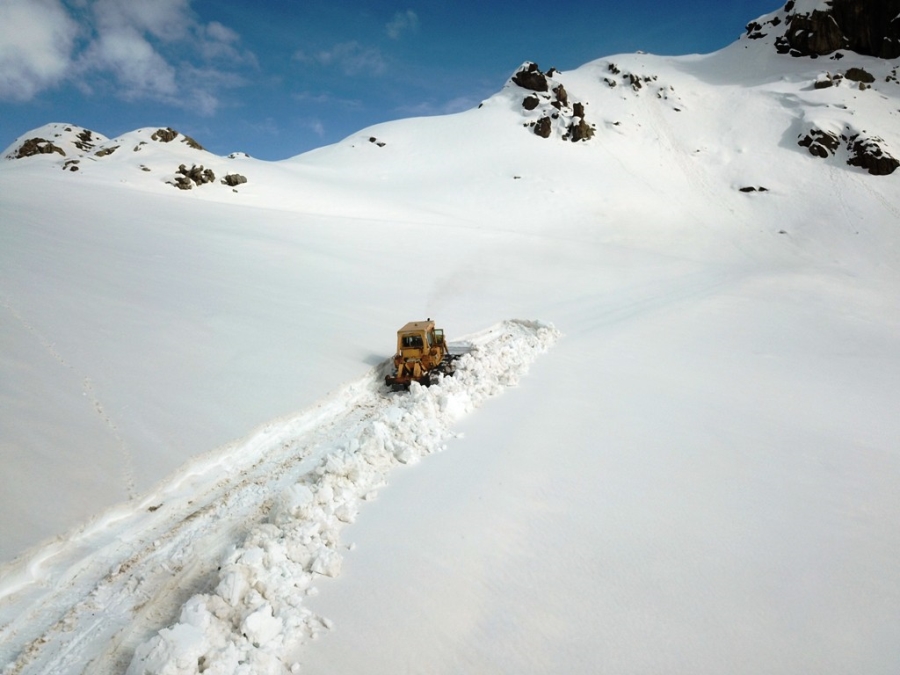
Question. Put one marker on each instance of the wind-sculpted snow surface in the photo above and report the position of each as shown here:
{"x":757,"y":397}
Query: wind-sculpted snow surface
{"x":291,"y":487}
{"x":256,"y":614}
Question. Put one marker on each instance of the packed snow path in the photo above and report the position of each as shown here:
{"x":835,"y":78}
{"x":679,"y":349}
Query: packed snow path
{"x":226,"y":551}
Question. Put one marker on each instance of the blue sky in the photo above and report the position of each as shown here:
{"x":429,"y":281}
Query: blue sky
{"x":275,"y":78}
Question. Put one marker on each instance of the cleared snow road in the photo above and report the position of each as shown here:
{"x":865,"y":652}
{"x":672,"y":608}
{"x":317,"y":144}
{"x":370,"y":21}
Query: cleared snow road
{"x":237,"y":539}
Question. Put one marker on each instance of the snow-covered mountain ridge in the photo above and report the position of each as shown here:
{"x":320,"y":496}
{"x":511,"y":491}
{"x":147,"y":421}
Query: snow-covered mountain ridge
{"x":853,"y":121}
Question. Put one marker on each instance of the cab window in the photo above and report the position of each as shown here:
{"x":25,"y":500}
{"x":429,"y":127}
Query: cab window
{"x":412,"y":341}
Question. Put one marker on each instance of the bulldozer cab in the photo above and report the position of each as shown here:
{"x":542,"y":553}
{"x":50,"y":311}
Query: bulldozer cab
{"x":418,"y":337}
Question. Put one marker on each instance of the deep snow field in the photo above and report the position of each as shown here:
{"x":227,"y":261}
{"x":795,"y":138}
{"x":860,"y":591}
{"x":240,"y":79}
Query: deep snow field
{"x":671,"y":448}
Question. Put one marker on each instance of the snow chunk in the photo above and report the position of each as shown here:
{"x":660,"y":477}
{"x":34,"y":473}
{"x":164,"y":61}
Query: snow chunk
{"x":327,"y":563}
{"x":174,"y":651}
{"x":262,"y":626}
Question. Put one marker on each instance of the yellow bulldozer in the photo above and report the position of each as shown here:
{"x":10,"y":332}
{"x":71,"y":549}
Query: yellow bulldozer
{"x":422,"y":356}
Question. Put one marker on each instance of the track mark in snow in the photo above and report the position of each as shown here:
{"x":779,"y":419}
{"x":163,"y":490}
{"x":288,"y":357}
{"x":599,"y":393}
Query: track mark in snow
{"x":125,"y":455}
{"x":226,"y":552}
{"x":87,"y":391}
{"x":48,"y":346}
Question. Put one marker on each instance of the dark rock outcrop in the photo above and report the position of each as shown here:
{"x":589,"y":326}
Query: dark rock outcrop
{"x":168,"y":135}
{"x":820,"y":143}
{"x":867,"y":153}
{"x":827,"y":80}
{"x":579,"y":130}
{"x":84,"y":140}
{"x":859,"y":75}
{"x":186,"y":178}
{"x":234,"y":179}
{"x":529,"y":76}
{"x":562,"y":98}
{"x":549,"y":102}
{"x":36,"y":146}
{"x":869,"y":27}
{"x":863,"y":150}
{"x":543,"y":127}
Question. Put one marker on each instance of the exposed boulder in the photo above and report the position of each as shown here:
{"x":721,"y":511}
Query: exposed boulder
{"x":36,"y":146}
{"x":808,"y":34}
{"x":550,"y":105}
{"x":826,"y":80}
{"x":234,"y":179}
{"x":85,"y":140}
{"x":186,"y":178}
{"x":867,"y":153}
{"x":864,"y":150}
{"x":859,"y":75}
{"x":562,"y":98}
{"x":191,"y":143}
{"x":869,"y":27}
{"x":529,"y":76}
{"x":580,"y":130}
{"x":169,"y":134}
{"x":543,"y":127}
{"x":166,"y":135}
{"x":820,"y":143}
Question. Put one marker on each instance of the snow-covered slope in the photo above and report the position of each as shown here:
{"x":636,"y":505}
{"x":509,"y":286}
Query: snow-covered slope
{"x":699,"y":476}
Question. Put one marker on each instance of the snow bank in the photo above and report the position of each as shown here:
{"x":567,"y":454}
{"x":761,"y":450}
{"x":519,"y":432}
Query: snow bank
{"x":256,"y":614}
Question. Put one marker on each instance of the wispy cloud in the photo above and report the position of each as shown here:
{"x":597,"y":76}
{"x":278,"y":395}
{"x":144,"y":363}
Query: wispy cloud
{"x":166,"y":20}
{"x":138,"y":50}
{"x":316,"y":126}
{"x":427,"y":108}
{"x":401,"y":23}
{"x":351,"y":57}
{"x":36,"y":42}
{"x":138,"y":69}
{"x":325,"y":98}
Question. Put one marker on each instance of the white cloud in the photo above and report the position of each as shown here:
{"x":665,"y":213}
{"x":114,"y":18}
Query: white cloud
{"x":401,"y":23}
{"x":140,"y":71}
{"x":167,"y":20}
{"x":36,"y":40}
{"x":351,"y":57}
{"x":220,"y":33}
{"x":136,"y":49}
{"x":315,"y":126}
{"x":216,"y":42}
